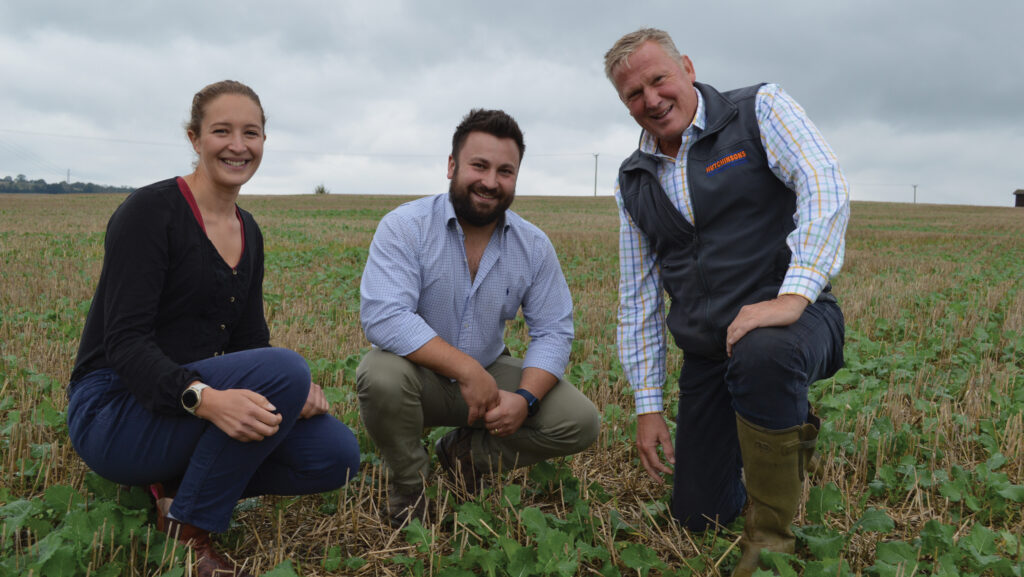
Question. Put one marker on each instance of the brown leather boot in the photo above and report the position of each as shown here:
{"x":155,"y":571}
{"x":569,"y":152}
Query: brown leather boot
{"x":773,"y":468}
{"x":455,"y":454}
{"x":402,"y":508}
{"x":209,"y":562}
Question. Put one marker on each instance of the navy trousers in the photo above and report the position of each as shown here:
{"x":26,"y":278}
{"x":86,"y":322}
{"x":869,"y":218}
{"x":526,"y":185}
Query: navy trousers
{"x":128,"y":444}
{"x":766,"y":382}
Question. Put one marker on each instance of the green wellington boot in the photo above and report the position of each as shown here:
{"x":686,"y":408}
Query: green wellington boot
{"x":773,"y":467}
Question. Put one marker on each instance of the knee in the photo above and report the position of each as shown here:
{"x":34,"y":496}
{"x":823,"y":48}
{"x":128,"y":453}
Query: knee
{"x":343,"y":455}
{"x":589,"y":423}
{"x":580,"y":428}
{"x":762,"y":349}
{"x":291,"y":375}
{"x":383,"y":377}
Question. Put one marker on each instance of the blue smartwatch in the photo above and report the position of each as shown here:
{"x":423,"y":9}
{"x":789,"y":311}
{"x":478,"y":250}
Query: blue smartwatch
{"x":532,"y":402}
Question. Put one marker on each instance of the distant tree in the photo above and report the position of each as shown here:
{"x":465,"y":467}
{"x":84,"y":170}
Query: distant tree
{"x":21,"y":184}
{"x":321,"y":189}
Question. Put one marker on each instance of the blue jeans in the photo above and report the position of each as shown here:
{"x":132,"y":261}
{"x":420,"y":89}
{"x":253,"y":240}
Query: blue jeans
{"x":766,"y":382}
{"x":128,"y":444}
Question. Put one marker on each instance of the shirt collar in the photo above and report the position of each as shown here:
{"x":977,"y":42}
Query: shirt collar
{"x":649,"y":144}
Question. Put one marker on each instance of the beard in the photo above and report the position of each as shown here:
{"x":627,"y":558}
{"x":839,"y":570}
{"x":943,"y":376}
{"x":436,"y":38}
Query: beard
{"x":462,"y":201}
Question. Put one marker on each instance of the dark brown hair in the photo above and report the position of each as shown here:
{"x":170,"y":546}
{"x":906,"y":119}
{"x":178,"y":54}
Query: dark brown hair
{"x":494,"y":122}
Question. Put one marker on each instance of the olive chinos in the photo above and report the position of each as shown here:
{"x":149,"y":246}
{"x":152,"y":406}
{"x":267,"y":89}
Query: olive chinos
{"x":398,"y":399}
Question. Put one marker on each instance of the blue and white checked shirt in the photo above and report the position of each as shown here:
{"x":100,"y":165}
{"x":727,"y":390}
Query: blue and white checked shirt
{"x":416,"y":285}
{"x":798,"y":156}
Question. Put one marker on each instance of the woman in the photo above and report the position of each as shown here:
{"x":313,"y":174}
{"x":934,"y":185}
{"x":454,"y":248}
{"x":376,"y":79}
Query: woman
{"x":175,"y":383}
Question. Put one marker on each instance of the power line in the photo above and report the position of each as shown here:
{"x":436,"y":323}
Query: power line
{"x":276,"y":150}
{"x":33,"y":160}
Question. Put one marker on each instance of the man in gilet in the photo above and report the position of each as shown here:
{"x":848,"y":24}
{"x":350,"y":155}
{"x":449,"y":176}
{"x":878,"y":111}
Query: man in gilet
{"x":735,"y":206}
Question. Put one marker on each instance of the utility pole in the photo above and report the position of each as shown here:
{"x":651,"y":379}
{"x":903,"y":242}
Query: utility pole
{"x":69,"y":176}
{"x":595,"y":173}
{"x":915,"y":193}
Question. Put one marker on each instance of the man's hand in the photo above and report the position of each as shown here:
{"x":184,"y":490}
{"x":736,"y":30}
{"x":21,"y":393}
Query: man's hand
{"x":477,"y":386}
{"x":508,"y":416}
{"x":778,"y":312}
{"x":316,"y":402}
{"x":480,"y":392}
{"x":651,"y":432}
{"x":242,"y":414}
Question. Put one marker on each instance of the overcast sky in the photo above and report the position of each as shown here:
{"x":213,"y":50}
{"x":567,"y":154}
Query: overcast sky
{"x":362,"y":96}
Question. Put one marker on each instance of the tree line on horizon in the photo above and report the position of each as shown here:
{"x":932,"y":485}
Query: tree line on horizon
{"x":22,"y":185}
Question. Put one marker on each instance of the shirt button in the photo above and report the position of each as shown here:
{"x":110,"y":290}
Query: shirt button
{"x":222,"y":327}
{"x":215,"y":353}
{"x":234,"y":271}
{"x":231,"y":300}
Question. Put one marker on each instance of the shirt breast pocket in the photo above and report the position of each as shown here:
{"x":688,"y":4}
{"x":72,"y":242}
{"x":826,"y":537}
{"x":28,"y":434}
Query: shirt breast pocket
{"x":513,"y":298}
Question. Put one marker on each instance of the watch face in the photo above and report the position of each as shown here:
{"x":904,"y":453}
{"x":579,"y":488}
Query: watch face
{"x":190,"y":399}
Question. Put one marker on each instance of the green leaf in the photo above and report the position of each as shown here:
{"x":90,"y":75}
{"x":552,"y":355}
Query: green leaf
{"x":335,"y":395}
{"x":823,"y":500}
{"x":62,"y":562}
{"x":619,"y":524}
{"x":640,"y":557}
{"x":16,"y":513}
{"x":454,"y":572}
{"x":828,"y":568}
{"x":522,"y":562}
{"x":100,"y":487}
{"x":980,"y":540}
{"x":333,"y":560}
{"x":1014,"y":493}
{"x":534,"y":521}
{"x":876,"y":521}
{"x":513,"y":494}
{"x":824,"y":543}
{"x":112,"y":569}
{"x":283,"y":569}
{"x":487,"y":559}
{"x":779,"y":562}
{"x":542,"y":473}
{"x":897,"y":553}
{"x":472,"y":515}
{"x":995,"y":462}
{"x":937,"y":537}
{"x":418,"y":535}
{"x":62,"y":498}
{"x":354,"y":563}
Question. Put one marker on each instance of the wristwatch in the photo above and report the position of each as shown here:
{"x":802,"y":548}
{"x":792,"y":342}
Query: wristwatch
{"x":192,"y":397}
{"x":532,"y":402}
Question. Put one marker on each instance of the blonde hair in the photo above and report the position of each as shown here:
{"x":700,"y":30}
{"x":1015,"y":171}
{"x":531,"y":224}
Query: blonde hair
{"x":619,"y":54}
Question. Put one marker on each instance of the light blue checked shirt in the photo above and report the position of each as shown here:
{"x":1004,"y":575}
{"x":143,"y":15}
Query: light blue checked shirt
{"x":416,"y":285}
{"x":798,"y":156}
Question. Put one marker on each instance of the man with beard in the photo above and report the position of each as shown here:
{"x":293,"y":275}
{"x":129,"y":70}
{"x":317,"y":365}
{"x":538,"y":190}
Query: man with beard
{"x":443,"y":276}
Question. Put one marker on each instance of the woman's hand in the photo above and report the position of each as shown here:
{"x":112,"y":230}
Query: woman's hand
{"x":316,"y":402}
{"x":242,"y":414}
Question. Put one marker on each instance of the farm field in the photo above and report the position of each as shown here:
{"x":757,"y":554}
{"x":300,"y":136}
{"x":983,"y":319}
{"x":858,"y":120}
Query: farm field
{"x":923,"y":432}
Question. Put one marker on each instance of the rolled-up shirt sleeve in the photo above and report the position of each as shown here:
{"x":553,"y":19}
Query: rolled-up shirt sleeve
{"x":547,"y":309}
{"x":799,"y":156}
{"x":390,"y":289}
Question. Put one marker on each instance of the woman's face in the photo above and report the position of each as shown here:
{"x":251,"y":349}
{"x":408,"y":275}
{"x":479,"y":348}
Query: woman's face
{"x":230,"y":141}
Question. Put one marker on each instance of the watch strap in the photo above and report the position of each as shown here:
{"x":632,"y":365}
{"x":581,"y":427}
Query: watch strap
{"x":532,"y":402}
{"x":192,"y":397}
